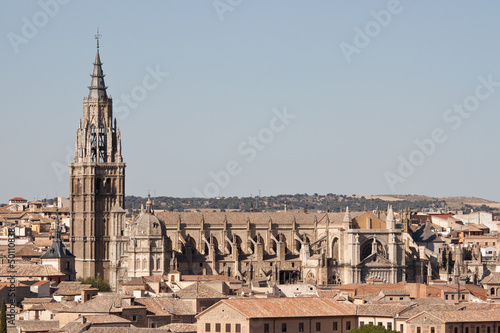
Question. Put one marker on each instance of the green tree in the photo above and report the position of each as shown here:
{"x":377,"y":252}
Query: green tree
{"x":3,"y":317}
{"x":372,"y":329}
{"x":98,"y":283}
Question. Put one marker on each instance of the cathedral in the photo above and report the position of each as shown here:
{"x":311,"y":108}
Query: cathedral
{"x":275,"y":247}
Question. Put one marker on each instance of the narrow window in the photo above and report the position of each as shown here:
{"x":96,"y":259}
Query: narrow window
{"x":301,"y":327}
{"x":456,"y":329}
{"x":348,"y":325}
{"x":283,"y":327}
{"x":228,"y":327}
{"x":402,"y":327}
{"x":361,"y":323}
{"x":433,"y":330}
{"x":207,"y":327}
{"x":418,"y":330}
{"x":237,"y":328}
{"x":318,"y":327}
{"x":217,"y":327}
{"x":389,"y":327}
{"x":266,"y":328}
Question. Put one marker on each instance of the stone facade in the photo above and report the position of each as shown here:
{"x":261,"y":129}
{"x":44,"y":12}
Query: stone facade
{"x":97,"y":180}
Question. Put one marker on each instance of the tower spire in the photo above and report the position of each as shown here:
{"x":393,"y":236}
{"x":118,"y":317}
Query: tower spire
{"x":97,"y":88}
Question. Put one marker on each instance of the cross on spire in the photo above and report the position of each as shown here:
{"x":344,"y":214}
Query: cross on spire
{"x":97,"y":37}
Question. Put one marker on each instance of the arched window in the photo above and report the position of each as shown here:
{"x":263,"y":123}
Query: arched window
{"x":335,"y":248}
{"x":144,"y":264}
{"x":366,"y":249}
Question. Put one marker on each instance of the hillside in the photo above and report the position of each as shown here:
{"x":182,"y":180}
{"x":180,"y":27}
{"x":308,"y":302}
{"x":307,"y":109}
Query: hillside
{"x":315,"y":202}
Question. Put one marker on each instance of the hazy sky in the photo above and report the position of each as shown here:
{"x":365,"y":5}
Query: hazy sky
{"x":344,"y":97}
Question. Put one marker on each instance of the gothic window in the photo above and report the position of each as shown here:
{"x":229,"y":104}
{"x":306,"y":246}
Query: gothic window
{"x":144,"y":264}
{"x":335,"y":248}
{"x":366,"y":249}
{"x":102,"y":144}
{"x":216,"y":244}
{"x":93,"y":143}
{"x":158,"y":264}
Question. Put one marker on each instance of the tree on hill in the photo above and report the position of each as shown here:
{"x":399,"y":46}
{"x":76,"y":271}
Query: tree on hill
{"x":372,"y":329}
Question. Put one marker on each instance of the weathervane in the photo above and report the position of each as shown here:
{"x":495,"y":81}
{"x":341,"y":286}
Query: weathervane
{"x":97,"y":36}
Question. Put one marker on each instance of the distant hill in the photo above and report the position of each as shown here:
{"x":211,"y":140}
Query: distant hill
{"x":305,"y":202}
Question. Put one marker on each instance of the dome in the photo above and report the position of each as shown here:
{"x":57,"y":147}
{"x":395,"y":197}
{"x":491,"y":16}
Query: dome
{"x":148,"y":224}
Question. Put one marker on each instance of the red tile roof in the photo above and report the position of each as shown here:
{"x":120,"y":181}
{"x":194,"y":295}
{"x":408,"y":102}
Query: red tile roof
{"x":288,"y":307}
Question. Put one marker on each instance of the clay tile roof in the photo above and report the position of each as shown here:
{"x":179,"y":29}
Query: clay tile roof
{"x":327,"y":293}
{"x":180,"y":327}
{"x":40,"y":283}
{"x":100,"y":304}
{"x":135,"y":281}
{"x":18,"y":199}
{"x":36,"y":325}
{"x":162,"y":306}
{"x":199,"y":290}
{"x":74,"y":326}
{"x":127,"y":330}
{"x":72,"y":288}
{"x":461,"y":316}
{"x":419,"y":308}
{"x":37,"y":300}
{"x":380,"y":310}
{"x":493,"y":278}
{"x":106,"y":319}
{"x":395,"y":292}
{"x":27,"y":251}
{"x":31,"y":270}
{"x":289,"y":307}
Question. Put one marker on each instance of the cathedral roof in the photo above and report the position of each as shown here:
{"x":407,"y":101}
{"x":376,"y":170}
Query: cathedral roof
{"x":255,"y":218}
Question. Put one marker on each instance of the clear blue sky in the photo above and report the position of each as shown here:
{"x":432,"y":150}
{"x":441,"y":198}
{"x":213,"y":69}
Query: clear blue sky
{"x":357,"y":113}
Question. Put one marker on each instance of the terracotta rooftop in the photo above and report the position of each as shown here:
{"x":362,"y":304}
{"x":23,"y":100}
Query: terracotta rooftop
{"x":72,"y":288}
{"x":101,"y":304}
{"x":288,"y":307}
{"x":380,"y":310}
{"x":493,"y":278}
{"x":163,"y":306}
{"x":199,"y":290}
{"x":180,"y":327}
{"x":74,"y":327}
{"x":414,"y":310}
{"x":29,"y":271}
{"x":462,"y":316}
{"x":36,"y":325}
{"x":106,"y":319}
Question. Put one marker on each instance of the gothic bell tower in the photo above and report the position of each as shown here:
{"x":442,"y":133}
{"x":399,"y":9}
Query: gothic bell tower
{"x":97,"y":180}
